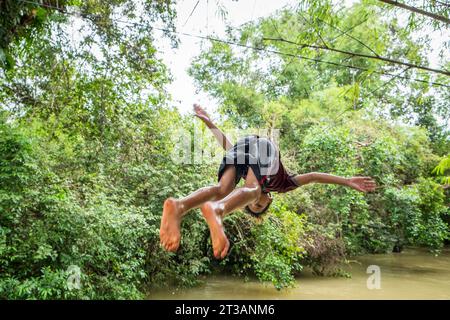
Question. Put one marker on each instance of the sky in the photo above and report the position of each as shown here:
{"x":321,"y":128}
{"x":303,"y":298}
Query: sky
{"x":205,"y":21}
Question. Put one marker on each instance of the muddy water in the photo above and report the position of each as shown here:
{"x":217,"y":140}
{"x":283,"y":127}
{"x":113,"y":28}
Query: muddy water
{"x":412,"y":274}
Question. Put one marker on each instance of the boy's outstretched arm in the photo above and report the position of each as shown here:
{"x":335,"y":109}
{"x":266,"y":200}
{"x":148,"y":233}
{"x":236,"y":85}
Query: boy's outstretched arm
{"x":220,"y":136}
{"x":363,"y":184}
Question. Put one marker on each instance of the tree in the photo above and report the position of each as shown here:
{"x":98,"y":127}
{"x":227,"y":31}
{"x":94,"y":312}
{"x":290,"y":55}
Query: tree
{"x":26,"y":19}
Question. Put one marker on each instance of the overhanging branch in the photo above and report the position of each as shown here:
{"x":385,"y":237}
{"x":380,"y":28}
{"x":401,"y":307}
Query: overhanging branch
{"x":417,"y":10}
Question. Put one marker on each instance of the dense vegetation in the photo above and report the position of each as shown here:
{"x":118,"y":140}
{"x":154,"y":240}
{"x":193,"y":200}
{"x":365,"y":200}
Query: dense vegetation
{"x":86,"y":142}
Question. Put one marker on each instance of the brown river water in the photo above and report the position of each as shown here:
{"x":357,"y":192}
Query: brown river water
{"x":412,"y":274}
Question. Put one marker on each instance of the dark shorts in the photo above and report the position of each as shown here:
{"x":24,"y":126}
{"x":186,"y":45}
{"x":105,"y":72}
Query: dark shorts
{"x":259,"y":154}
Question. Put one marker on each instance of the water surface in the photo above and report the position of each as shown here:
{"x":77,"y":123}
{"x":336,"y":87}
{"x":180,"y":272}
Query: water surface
{"x":412,"y":274}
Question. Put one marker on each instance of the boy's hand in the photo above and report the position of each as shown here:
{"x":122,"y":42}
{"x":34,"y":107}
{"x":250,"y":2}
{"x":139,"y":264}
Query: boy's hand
{"x":200,"y":113}
{"x":363,"y":184}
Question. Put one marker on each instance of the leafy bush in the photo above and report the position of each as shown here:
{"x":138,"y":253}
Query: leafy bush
{"x":416,"y":213}
{"x":279,"y":247}
{"x":270,"y":247}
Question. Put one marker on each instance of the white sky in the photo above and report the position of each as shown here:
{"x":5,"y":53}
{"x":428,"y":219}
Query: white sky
{"x":206,"y":21}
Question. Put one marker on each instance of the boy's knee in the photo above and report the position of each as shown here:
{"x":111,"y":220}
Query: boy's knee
{"x":254,"y":190}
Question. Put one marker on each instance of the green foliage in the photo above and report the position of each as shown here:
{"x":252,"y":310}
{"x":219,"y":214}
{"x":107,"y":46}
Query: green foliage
{"x":442,"y":168}
{"x":416,"y":214}
{"x":328,"y":151}
{"x":47,"y":226}
{"x":26,"y":21}
{"x":279,"y":247}
{"x":271,"y":248}
{"x":376,"y":222}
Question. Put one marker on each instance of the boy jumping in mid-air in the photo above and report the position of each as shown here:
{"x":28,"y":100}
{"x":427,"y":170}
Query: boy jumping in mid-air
{"x":255,"y":159}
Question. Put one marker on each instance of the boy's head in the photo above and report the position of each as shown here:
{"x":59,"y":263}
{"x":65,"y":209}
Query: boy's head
{"x":258,"y":208}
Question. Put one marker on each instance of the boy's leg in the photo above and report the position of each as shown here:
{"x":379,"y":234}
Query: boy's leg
{"x":174,"y":209}
{"x":215,"y":211}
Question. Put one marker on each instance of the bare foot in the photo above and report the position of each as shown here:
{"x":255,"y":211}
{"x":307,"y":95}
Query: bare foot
{"x":219,"y":239}
{"x":169,"y":232}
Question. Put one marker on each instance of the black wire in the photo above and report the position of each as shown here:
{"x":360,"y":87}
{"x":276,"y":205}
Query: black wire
{"x":192,"y":12}
{"x":339,"y":116}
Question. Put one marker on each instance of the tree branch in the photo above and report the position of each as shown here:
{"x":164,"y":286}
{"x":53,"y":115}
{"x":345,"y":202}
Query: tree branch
{"x":417,"y":10}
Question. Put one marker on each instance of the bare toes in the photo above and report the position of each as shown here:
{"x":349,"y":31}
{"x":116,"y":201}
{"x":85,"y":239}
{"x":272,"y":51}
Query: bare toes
{"x":225,"y":251}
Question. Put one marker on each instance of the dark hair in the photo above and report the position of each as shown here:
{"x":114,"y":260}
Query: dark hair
{"x":257,"y":214}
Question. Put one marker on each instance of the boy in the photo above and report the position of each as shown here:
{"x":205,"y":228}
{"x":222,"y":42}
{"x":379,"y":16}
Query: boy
{"x":255,"y":159}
